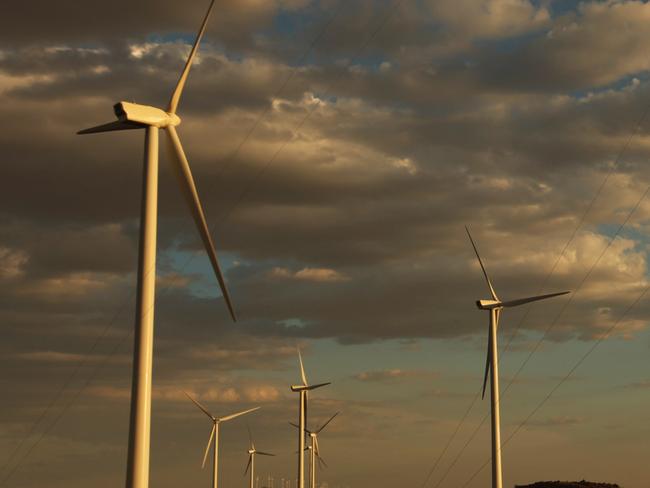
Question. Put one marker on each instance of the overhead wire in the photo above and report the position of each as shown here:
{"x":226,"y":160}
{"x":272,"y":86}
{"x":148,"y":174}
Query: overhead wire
{"x":550,"y":327}
{"x":224,"y":216}
{"x":574,"y":233}
{"x":84,"y":360}
{"x":231,"y":157}
{"x":564,"y":379}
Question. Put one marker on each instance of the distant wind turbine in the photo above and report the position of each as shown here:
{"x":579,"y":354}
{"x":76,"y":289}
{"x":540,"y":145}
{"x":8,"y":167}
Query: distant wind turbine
{"x":134,"y":116}
{"x":315,"y":450}
{"x":252,"y":452}
{"x":495,"y":306}
{"x":214,"y":435}
{"x":302,"y":416}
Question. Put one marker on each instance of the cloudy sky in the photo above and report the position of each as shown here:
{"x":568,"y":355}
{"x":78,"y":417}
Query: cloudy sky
{"x":339,"y":148}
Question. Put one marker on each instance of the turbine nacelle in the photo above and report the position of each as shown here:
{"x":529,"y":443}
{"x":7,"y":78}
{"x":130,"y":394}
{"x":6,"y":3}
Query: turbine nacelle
{"x":488,"y":304}
{"x":145,"y":115}
{"x":308,"y":387}
{"x":497,"y":305}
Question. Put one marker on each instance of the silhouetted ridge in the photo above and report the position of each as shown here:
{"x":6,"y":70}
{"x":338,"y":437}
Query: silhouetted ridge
{"x":568,"y":484}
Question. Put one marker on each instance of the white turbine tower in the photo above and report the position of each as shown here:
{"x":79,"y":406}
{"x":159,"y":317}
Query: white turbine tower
{"x":302,"y":419}
{"x":494,"y":306}
{"x":252,"y":452}
{"x":314,"y":449}
{"x":214,"y":435}
{"x":151,"y":119}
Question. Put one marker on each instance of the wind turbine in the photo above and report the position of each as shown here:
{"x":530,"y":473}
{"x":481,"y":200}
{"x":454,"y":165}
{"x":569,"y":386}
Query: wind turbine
{"x":315,"y":450}
{"x":302,"y":418}
{"x":252,"y":452}
{"x":494,"y":306}
{"x":151,"y":119}
{"x":214,"y":435}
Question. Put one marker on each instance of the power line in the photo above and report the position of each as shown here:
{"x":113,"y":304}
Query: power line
{"x":565,"y":378}
{"x":581,"y":221}
{"x":59,"y":393}
{"x":222,"y":218}
{"x":612,"y":167}
{"x":75,"y":397}
{"x":277,"y":93}
{"x":83,"y":362}
{"x":121,"y":308}
{"x":449,"y":441}
{"x":552,"y":324}
{"x":228,"y":212}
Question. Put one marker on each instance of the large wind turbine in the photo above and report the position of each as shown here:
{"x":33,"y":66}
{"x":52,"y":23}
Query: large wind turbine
{"x":252,"y":452}
{"x":151,"y":119}
{"x":302,"y":419}
{"x":315,"y":450}
{"x":214,"y":435}
{"x":494,"y":306}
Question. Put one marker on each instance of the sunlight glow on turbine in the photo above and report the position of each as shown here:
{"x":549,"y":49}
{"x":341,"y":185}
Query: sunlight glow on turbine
{"x":135,"y":116}
{"x":252,"y":452}
{"x":314,"y":450}
{"x":214,"y":435}
{"x":494,"y":306}
{"x":302,"y":418}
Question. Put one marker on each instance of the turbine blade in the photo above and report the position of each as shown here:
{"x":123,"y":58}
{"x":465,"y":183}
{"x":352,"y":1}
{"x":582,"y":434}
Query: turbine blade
{"x":302,"y":369}
{"x":112,"y":126}
{"x":319,"y":385}
{"x":322,"y":462}
{"x":207,"y":448}
{"x":248,"y":466}
{"x":521,"y":301}
{"x":487,"y":363}
{"x":264,"y":453}
{"x":250,"y":436}
{"x":480,"y":261}
{"x":184,"y":174}
{"x":325,"y":424}
{"x":176,"y":95}
{"x":238,"y":414}
{"x":203,"y":409}
{"x":307,"y":431}
{"x":316,"y":448}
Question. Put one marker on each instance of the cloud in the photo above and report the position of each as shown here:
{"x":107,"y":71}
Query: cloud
{"x":556,"y":421}
{"x":388,"y":375}
{"x":56,"y":357}
{"x":243,"y":353}
{"x":490,"y":19}
{"x":308,"y":274}
{"x":172,"y":280}
{"x":639,"y":385}
{"x":225,"y":394}
{"x":235,"y":18}
{"x":12,"y":262}
{"x":336,"y":185}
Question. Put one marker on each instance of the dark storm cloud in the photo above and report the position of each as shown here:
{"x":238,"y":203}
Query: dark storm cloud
{"x":391,"y":375}
{"x":92,"y":22}
{"x":374,"y":190}
{"x":340,"y":218}
{"x":354,"y":232}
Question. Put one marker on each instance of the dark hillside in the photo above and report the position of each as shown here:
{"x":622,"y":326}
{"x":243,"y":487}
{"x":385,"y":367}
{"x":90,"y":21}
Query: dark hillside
{"x":568,"y":484}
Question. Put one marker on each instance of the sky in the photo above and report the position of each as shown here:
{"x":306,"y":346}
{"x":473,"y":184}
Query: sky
{"x":339,"y":149}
